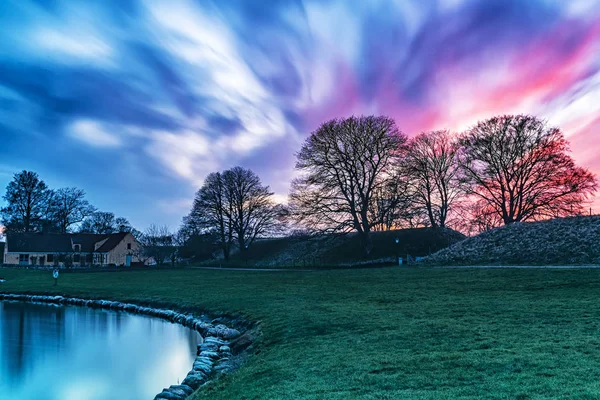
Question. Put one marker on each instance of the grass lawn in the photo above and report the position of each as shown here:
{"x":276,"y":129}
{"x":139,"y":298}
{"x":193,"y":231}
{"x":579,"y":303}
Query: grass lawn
{"x":384,"y":333}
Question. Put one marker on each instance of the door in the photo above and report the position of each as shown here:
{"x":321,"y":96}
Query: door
{"x":128,"y":260}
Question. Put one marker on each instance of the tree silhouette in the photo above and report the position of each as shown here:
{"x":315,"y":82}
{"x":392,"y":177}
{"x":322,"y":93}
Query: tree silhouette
{"x":345,"y":164}
{"x":433,"y":171}
{"x":520,"y":169}
{"x":236,"y":206}
{"x":70,"y":207}
{"x":28,"y":200}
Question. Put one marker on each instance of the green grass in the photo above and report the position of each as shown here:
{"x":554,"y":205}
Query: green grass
{"x":384,"y":333}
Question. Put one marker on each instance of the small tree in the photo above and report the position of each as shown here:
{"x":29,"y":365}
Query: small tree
{"x":521,"y":170}
{"x":157,"y":242}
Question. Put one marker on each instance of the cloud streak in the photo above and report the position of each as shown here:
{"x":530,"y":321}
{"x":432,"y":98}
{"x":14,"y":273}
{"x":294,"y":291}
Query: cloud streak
{"x":174,"y":90}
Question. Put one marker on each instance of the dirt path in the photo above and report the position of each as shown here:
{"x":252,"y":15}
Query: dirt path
{"x":525,"y":266}
{"x":256,"y":269}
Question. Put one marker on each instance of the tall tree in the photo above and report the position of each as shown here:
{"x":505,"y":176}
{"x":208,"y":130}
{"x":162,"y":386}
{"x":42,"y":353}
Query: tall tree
{"x":251,"y":209}
{"x":70,"y":207}
{"x":432,"y":168}
{"x":28,"y":200}
{"x":344,"y":165}
{"x":520,"y":168}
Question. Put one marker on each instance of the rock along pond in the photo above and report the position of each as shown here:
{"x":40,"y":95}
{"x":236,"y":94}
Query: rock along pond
{"x":76,"y":353}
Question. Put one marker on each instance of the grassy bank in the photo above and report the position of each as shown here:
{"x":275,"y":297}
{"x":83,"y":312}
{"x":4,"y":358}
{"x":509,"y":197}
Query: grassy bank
{"x":384,"y":333}
{"x":336,"y":250}
{"x":560,"y":241}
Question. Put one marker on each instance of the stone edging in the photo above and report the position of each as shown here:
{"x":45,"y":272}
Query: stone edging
{"x":213,"y":354}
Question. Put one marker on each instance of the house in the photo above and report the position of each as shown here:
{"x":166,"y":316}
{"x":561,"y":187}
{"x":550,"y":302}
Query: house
{"x":76,"y":249}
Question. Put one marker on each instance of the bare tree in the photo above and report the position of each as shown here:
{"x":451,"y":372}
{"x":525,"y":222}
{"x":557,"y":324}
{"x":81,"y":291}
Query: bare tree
{"x":28,"y":200}
{"x":520,"y":169}
{"x":101,"y":222}
{"x":392,"y":206}
{"x":70,"y":207}
{"x":157,"y":242}
{"x":211,"y":210}
{"x":235,"y":206}
{"x":250,"y":209}
{"x":432,"y":168}
{"x":344,"y":165}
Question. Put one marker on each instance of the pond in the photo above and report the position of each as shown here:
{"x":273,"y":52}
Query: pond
{"x":77,"y":353}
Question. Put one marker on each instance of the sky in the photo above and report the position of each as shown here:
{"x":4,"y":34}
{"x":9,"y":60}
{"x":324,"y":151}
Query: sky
{"x":137,"y":101}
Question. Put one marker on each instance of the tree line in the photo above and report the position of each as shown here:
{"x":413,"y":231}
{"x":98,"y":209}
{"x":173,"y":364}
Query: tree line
{"x":358,"y":174}
{"x":362,"y":174}
{"x":33,"y":207}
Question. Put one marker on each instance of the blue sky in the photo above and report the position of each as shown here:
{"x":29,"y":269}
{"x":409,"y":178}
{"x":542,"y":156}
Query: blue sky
{"x":136,"y":101}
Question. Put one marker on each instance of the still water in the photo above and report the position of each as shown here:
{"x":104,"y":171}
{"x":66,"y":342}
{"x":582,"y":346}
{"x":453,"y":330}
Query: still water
{"x":50,"y":352}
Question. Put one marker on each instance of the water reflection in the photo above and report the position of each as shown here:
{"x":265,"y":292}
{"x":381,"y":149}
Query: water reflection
{"x":67,"y":353}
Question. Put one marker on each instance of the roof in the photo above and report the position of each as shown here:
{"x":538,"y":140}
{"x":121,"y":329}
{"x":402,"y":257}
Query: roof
{"x":61,"y":243}
{"x":112,"y":241}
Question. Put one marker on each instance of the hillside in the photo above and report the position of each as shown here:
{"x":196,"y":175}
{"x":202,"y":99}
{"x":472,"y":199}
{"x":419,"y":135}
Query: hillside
{"x":342,"y":250}
{"x":564,"y":241}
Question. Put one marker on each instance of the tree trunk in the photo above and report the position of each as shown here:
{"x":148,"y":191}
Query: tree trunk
{"x":367,"y":243}
{"x":226,"y":252}
{"x":430,"y":215}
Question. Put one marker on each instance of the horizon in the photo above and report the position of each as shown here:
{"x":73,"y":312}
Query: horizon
{"x":152,"y":97}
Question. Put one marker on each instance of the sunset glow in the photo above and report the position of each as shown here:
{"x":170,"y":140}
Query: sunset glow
{"x":146,"y":98}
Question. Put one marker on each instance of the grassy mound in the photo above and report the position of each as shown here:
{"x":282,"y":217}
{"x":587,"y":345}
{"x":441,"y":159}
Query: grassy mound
{"x":563,"y":241}
{"x":343,"y":250}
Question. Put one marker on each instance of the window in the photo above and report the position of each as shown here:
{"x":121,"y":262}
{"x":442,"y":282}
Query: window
{"x":23,"y":258}
{"x":88,"y":258}
{"x":50,"y":258}
{"x":76,"y":258}
{"x":77,"y":248}
{"x":128,"y":246}
{"x":99,"y":259}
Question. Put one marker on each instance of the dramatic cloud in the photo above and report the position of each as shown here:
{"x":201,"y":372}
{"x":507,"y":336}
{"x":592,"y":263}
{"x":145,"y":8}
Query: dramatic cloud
{"x":136,"y":101}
